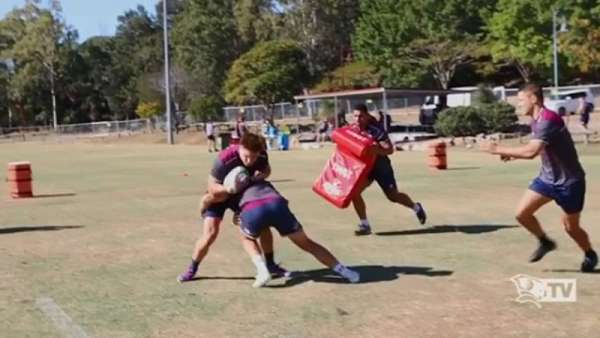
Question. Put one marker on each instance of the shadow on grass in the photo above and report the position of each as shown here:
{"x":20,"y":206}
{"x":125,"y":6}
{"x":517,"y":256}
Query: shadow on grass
{"x":571,"y":271}
{"x":283,"y":180}
{"x":368,"y":274}
{"x":13,"y":230}
{"x":221,"y":278}
{"x":462,"y":168}
{"x":54,"y":195}
{"x":440,"y":229}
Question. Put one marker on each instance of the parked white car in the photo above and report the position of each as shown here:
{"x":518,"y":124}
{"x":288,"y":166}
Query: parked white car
{"x":400,"y":133}
{"x":567,"y":102}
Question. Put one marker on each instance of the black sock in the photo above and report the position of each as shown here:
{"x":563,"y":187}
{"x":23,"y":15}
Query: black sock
{"x":590,"y":253}
{"x":270,"y":258}
{"x":545,"y":240}
{"x":194,"y":264}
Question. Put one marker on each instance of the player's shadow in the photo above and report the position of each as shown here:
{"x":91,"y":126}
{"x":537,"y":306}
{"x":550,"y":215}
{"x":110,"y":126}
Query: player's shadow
{"x":462,"y":168}
{"x":221,"y":278}
{"x":368,"y":274}
{"x":54,"y":195}
{"x":571,"y":271}
{"x":12,"y":230}
{"x":440,"y":229}
{"x":283,"y":180}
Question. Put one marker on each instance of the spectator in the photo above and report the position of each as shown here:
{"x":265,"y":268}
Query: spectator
{"x":239,"y":129}
{"x":341,"y":119}
{"x":323,"y":131}
{"x":210,"y":136}
{"x":585,"y":109}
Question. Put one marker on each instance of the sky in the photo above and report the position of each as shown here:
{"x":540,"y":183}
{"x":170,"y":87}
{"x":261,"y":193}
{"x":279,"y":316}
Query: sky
{"x":89,"y":17}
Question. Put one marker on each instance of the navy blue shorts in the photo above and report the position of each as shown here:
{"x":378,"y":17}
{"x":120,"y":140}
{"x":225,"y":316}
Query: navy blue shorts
{"x":272,"y":212}
{"x":383,"y":174}
{"x":570,"y":198}
{"x":217,"y":210}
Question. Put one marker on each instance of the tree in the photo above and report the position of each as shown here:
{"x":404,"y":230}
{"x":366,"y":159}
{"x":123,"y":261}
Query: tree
{"x":355,"y":75}
{"x":407,"y":40}
{"x":33,"y":35}
{"x":322,"y":28}
{"x":271,"y":72}
{"x":205,"y":42}
{"x":148,"y":109}
{"x":581,"y":43}
{"x":4,"y":98}
{"x":255,"y":21}
{"x":520,"y":34}
{"x":206,"y":108}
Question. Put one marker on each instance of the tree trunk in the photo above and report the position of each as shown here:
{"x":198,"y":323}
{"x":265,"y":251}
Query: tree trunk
{"x":523,"y":70}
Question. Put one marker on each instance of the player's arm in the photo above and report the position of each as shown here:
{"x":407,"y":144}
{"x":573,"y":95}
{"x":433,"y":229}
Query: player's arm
{"x":526,"y":152}
{"x":262,"y":174}
{"x":383,"y":148}
{"x":263,"y":168}
{"x":216,"y":189}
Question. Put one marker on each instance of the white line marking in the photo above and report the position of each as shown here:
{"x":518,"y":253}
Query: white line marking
{"x":59,"y":318}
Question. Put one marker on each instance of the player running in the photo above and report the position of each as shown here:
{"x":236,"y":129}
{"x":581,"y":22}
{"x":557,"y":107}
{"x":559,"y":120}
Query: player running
{"x":382,"y":171}
{"x":561,"y":178}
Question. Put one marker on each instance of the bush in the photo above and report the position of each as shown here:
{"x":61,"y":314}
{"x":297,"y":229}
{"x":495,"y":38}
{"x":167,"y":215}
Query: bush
{"x":498,"y":117}
{"x":473,"y":120}
{"x":460,"y":121}
{"x":206,"y":108}
{"x":483,"y":95}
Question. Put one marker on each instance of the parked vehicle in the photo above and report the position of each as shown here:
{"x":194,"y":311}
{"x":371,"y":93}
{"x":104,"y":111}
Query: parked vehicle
{"x":567,"y":102}
{"x":400,"y":133}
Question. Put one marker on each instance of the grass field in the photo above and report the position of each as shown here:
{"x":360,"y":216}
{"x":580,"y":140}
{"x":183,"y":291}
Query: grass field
{"x":115,"y":224}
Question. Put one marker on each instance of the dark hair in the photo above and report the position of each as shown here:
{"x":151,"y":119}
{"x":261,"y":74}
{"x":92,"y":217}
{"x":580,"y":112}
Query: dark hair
{"x":534,"y":89}
{"x":361,"y":108}
{"x":253,"y":142}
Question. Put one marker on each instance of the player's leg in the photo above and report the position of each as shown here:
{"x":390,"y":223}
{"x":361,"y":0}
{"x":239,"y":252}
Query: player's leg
{"x":210,"y":231}
{"x":253,"y":223}
{"x":534,"y":198}
{"x":384,"y":175}
{"x":207,"y":200}
{"x":572,"y":226}
{"x":323,"y":255}
{"x":266,"y":243}
{"x":364,"y":228}
{"x":571,"y":199}
{"x":288,"y":226}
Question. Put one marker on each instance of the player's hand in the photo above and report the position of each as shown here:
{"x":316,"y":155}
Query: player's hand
{"x":258,"y":176}
{"x":488,"y":147}
{"x":373,"y":149}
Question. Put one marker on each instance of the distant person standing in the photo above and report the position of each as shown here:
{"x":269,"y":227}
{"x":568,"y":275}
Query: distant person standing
{"x":585,"y":109}
{"x":210,"y":136}
{"x":239,"y":129}
{"x":323,"y":131}
{"x":341,"y":119}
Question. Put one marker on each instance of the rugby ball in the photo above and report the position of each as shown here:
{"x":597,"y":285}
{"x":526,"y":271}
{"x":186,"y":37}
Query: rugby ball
{"x":237,"y":179}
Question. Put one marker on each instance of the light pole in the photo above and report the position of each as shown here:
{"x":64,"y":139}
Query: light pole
{"x":563,"y":28}
{"x":167,"y":75}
